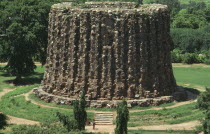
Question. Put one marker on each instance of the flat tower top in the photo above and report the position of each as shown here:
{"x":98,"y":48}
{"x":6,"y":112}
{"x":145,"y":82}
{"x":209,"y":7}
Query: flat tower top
{"x":112,"y":7}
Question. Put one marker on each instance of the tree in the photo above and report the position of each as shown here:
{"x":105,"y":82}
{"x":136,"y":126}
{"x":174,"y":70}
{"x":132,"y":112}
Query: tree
{"x":171,"y":3}
{"x":204,"y":104}
{"x":24,"y":24}
{"x":122,"y":118}
{"x":3,"y":121}
{"x":80,"y":114}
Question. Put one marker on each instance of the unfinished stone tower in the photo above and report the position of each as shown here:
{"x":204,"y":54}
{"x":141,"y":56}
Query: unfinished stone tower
{"x":112,"y":50}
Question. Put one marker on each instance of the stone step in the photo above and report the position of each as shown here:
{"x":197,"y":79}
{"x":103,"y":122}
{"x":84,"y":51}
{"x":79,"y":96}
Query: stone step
{"x":104,"y":114}
{"x":104,"y":118}
{"x":104,"y":123}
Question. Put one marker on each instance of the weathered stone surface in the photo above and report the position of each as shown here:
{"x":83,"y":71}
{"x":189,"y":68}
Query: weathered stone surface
{"x":101,"y":103}
{"x":112,"y":50}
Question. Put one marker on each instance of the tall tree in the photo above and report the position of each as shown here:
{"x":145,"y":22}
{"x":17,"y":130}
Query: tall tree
{"x":122,"y":118}
{"x":80,"y":113}
{"x":24,"y":25}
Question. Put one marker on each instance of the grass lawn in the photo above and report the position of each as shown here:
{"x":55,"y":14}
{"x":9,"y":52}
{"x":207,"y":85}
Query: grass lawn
{"x":176,"y":115}
{"x":159,"y":132}
{"x":6,"y":79}
{"x":192,"y":75}
{"x":14,"y":104}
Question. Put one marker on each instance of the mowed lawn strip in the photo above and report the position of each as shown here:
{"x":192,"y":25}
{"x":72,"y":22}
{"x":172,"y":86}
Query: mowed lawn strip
{"x":175,"y":115}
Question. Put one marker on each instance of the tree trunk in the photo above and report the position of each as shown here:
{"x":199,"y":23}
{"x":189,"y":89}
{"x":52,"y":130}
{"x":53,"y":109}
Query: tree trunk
{"x":17,"y":80}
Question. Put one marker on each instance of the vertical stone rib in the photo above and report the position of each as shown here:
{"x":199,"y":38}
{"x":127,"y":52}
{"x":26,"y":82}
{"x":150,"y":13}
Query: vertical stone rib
{"x":87,"y":50}
{"x":144,"y":55}
{"x":131,"y":58}
{"x":76,"y":30}
{"x":153,"y":35}
{"x":123,"y":88}
{"x":138,"y":41}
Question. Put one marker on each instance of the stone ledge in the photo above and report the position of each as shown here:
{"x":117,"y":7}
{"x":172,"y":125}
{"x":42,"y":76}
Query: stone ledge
{"x":101,"y":103}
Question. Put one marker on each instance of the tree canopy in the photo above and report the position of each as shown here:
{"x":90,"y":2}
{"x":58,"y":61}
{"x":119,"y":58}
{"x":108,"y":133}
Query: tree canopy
{"x":23,"y":25}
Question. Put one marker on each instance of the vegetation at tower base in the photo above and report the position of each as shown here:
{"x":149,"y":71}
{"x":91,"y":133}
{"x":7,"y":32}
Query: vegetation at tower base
{"x":24,"y":26}
{"x":80,"y":116}
{"x":3,"y":121}
{"x":204,"y":104}
{"x":122,"y":118}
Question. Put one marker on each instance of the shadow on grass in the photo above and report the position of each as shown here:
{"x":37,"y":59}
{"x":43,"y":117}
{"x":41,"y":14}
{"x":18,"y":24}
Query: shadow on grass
{"x":34,"y":78}
{"x":193,"y":90}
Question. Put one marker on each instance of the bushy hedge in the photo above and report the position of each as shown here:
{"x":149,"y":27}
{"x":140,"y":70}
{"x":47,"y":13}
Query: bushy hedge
{"x":177,"y":56}
{"x":3,"y":121}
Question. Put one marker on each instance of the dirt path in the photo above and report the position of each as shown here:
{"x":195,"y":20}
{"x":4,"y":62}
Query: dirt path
{"x":159,"y":108}
{"x":39,"y":104}
{"x":16,"y":120}
{"x":5,"y":63}
{"x":108,"y":128}
{"x":182,"y":126}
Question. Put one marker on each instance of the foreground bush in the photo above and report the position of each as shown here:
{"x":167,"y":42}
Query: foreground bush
{"x":3,"y":121}
{"x":204,"y":104}
{"x":122,"y":118}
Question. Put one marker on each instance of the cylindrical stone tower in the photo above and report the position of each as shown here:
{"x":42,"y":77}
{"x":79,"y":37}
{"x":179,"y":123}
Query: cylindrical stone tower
{"x":112,"y":50}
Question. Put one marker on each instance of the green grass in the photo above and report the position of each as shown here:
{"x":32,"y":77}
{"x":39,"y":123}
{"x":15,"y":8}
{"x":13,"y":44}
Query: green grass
{"x":6,"y":79}
{"x":159,"y":132}
{"x":19,"y":107}
{"x":34,"y":98}
{"x":195,"y":76}
{"x":20,"y":90}
{"x":176,"y":115}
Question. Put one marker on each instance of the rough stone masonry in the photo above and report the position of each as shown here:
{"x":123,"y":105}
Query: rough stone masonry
{"x":112,"y":50}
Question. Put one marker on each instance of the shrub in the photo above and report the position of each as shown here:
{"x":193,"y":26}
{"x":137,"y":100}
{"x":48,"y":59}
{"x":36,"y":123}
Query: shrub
{"x":80,"y":116}
{"x":122,"y":118}
{"x":190,"y":58}
{"x":3,"y":121}
{"x":176,"y":56}
{"x":203,"y":103}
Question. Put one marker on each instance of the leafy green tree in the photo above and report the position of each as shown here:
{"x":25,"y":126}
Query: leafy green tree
{"x":24,"y":25}
{"x":193,"y":21}
{"x":80,"y":113}
{"x":68,"y":123}
{"x":122,"y":118}
{"x":171,"y":3}
{"x":3,"y":121}
{"x":204,"y":104}
{"x":191,"y":40}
